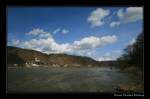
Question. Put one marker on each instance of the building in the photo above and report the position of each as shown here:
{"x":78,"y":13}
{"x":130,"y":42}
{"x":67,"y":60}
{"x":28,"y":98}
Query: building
{"x":33,"y":63}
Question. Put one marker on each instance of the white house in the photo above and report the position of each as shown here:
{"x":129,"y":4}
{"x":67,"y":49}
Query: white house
{"x":33,"y":63}
{"x":36,"y":60}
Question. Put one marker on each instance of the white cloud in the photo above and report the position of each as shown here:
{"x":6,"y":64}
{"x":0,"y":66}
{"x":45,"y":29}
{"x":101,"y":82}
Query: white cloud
{"x":85,"y":52}
{"x":97,"y":16}
{"x":87,"y":42}
{"x":59,"y":30}
{"x":65,"y":31}
{"x":106,"y":57}
{"x":113,"y":24}
{"x":56,"y":31}
{"x":39,"y":33}
{"x":15,"y":42}
{"x":45,"y":35}
{"x":108,"y":39}
{"x":36,"y":32}
{"x":90,"y":53}
{"x":49,"y":45}
{"x":120,"y":13}
{"x":130,"y":14}
{"x":93,"y":42}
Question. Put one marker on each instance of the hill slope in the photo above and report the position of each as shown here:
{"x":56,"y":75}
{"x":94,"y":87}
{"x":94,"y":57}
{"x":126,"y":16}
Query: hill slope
{"x":21,"y":56}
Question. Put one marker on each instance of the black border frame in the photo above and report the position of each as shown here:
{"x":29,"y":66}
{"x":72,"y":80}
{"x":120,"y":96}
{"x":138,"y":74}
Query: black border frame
{"x":43,"y":3}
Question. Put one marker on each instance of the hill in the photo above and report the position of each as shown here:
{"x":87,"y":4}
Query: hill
{"x":21,"y":57}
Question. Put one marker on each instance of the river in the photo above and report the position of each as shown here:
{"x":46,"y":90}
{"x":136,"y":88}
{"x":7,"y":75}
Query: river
{"x":32,"y":80}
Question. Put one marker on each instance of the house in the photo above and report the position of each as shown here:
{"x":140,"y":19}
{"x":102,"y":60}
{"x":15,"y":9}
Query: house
{"x":55,"y":65}
{"x":33,"y":63}
{"x":36,"y":60}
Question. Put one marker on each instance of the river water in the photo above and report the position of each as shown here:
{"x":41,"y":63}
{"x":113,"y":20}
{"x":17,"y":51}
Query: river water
{"x":26,"y":80}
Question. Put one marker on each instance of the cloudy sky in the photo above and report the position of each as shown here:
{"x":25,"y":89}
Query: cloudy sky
{"x":98,"y":32}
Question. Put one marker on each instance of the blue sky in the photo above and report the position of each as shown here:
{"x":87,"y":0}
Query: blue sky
{"x":98,"y":32}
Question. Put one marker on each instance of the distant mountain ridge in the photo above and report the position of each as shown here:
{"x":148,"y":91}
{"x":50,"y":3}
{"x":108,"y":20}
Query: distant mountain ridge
{"x":20,"y":56}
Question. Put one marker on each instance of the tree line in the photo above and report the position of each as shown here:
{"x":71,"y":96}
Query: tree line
{"x":133,"y":54}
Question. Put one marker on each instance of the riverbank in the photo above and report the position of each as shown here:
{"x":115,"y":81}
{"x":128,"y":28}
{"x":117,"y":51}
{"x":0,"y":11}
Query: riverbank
{"x":132,"y":87}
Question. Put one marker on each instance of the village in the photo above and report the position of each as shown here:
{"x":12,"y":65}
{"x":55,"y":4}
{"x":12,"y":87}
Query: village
{"x":37,"y":63}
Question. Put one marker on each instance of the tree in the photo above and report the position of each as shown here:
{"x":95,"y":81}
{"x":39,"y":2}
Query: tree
{"x":133,"y":54}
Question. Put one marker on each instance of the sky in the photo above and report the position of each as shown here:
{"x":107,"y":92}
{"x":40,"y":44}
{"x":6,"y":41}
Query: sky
{"x":97,"y":32}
